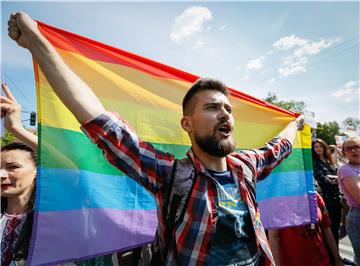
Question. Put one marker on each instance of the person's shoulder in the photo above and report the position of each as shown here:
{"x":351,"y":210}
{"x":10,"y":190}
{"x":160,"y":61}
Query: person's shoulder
{"x":316,"y":162}
{"x":184,"y":169}
{"x":344,"y":167}
{"x":184,"y":164}
{"x":345,"y":170}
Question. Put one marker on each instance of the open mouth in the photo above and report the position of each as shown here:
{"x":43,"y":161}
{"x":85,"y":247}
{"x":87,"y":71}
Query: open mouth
{"x":5,"y":186}
{"x":225,"y":129}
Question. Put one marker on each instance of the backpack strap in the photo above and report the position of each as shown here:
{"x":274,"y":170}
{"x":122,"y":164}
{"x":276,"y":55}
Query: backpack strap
{"x":177,"y":194}
{"x":168,"y":209}
{"x":181,"y":190}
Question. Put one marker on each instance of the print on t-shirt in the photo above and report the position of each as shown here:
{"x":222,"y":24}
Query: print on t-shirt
{"x":234,"y":240}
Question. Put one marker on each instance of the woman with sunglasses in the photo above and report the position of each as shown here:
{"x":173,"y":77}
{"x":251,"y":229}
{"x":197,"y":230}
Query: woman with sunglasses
{"x":349,"y":181}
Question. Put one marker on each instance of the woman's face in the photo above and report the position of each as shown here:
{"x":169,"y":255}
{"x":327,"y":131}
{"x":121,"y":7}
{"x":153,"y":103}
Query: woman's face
{"x":318,"y":148}
{"x":351,"y":150}
{"x":18,"y":172}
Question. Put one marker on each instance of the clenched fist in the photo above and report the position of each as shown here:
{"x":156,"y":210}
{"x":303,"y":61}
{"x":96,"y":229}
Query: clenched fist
{"x":22,"y":29}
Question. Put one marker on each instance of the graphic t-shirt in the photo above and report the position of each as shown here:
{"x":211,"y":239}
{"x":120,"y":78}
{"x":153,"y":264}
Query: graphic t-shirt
{"x":234,"y":242}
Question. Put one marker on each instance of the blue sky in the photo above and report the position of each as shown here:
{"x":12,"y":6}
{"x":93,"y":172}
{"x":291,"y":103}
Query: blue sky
{"x":302,"y":51}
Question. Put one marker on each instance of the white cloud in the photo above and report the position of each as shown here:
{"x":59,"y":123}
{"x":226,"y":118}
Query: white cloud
{"x":256,"y":64}
{"x":272,"y":80}
{"x":291,"y":70}
{"x":314,"y":47}
{"x":288,"y":42}
{"x":189,"y":22}
{"x":292,"y":66}
{"x":349,"y":92}
{"x":296,"y":62}
{"x":223,"y":27}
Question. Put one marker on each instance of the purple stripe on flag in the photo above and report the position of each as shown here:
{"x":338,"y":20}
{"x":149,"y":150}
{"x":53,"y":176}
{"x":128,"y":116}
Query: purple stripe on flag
{"x":110,"y":227}
{"x":280,"y":212}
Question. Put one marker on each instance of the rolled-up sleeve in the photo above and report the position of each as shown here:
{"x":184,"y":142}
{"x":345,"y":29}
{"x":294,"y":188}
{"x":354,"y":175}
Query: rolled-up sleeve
{"x":122,"y":148}
{"x":265,"y":159}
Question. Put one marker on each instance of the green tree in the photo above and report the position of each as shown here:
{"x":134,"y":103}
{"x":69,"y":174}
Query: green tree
{"x":351,"y":122}
{"x":327,"y":131}
{"x":7,"y":138}
{"x":292,"y":105}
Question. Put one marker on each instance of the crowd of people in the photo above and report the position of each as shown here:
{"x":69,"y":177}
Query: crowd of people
{"x":215,"y":233}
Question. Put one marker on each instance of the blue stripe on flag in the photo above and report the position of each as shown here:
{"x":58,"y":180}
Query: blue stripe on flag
{"x":295,"y":183}
{"x":69,"y":189}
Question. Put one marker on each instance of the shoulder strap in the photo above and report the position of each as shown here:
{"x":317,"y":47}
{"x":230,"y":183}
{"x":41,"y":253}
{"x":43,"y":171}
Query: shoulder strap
{"x":167,"y":208}
{"x":177,"y":196}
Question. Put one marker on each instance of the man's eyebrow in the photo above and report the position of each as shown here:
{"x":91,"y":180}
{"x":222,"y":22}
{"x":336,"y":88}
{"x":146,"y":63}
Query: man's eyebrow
{"x":9,"y":163}
{"x":214,"y":102}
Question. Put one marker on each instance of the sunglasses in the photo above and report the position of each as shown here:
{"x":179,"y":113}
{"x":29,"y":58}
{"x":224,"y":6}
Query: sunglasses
{"x":350,"y":148}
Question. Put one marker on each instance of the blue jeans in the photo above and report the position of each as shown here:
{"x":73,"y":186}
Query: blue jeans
{"x":353,"y":231}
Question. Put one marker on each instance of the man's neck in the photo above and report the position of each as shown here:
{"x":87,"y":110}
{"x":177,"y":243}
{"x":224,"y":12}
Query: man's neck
{"x":210,"y":162}
{"x":16,"y":205}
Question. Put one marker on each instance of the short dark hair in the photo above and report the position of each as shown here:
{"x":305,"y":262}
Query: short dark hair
{"x":201,"y":84}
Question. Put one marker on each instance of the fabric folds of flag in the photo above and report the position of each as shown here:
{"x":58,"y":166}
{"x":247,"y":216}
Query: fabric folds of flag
{"x":86,"y":207}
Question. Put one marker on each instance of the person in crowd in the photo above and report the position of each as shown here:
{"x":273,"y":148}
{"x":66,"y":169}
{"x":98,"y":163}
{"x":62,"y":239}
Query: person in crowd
{"x":18,"y":171}
{"x":205,"y":229}
{"x":339,"y":160}
{"x":325,"y":175}
{"x":310,"y":245}
{"x":336,"y":155}
{"x":349,"y":181}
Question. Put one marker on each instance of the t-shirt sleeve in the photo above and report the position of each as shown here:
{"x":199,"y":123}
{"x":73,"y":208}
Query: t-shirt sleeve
{"x":265,"y":159}
{"x":345,"y":171}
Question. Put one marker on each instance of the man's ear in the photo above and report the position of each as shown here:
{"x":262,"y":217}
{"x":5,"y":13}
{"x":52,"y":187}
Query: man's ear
{"x":186,"y":124}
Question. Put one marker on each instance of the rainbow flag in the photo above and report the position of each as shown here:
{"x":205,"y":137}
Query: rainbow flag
{"x":86,"y":207}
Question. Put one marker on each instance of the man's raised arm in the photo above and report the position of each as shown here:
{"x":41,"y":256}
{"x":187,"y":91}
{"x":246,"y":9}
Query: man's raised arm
{"x":289,"y":132}
{"x":74,"y":93}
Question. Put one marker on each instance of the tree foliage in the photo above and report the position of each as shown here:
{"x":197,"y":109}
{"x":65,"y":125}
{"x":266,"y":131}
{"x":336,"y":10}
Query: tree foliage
{"x":351,"y":122}
{"x":327,"y":131}
{"x":292,"y":105}
{"x":7,"y":138}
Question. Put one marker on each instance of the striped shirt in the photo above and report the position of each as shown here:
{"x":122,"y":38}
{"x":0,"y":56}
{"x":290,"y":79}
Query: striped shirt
{"x":151,"y":168}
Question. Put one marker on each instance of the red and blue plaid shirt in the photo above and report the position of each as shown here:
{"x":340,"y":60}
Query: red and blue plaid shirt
{"x":151,"y":168}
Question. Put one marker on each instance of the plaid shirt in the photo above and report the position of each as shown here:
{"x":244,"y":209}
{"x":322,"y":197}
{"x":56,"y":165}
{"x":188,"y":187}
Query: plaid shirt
{"x":151,"y":168}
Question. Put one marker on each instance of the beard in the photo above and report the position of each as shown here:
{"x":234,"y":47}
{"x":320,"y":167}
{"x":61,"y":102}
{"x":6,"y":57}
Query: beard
{"x":214,"y":146}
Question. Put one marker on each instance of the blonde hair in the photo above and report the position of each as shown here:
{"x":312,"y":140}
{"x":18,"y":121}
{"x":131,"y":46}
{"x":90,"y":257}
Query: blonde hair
{"x":354,"y":139}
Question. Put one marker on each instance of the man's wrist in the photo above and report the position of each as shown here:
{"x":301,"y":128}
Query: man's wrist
{"x":35,"y":40}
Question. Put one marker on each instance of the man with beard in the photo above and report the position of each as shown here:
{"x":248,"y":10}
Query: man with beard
{"x":206,"y":202}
